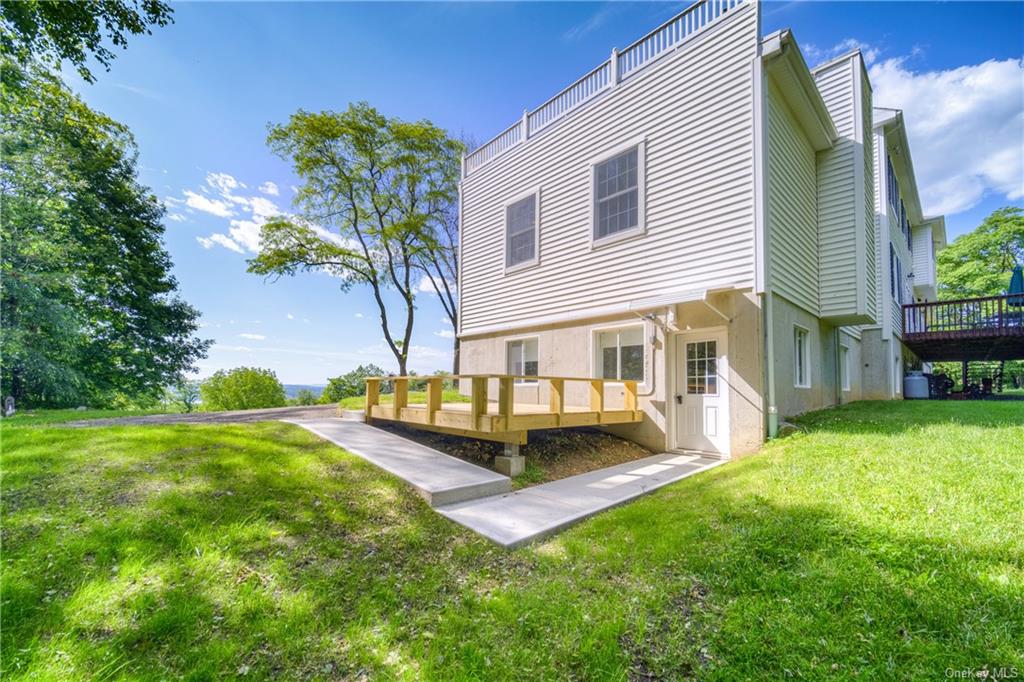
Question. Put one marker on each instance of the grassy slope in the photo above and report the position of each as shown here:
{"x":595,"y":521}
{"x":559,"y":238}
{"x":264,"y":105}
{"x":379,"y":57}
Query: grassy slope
{"x":884,"y":542}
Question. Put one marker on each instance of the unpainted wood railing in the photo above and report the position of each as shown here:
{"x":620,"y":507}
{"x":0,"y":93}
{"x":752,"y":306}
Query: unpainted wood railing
{"x":608,"y":74}
{"x":963,"y":318}
{"x":478,"y":394}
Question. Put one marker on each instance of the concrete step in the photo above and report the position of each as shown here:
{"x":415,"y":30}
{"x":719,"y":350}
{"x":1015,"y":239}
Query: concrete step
{"x":441,"y":479}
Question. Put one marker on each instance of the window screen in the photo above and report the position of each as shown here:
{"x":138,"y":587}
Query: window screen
{"x":617,"y":194}
{"x":522,"y":359}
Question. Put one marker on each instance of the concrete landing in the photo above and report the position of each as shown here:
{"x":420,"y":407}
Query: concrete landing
{"x":441,"y":479}
{"x":515,"y":519}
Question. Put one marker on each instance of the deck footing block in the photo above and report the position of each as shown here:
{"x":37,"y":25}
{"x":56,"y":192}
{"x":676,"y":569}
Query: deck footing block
{"x":510,"y":465}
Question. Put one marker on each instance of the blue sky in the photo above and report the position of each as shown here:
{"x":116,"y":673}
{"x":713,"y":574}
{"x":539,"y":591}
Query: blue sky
{"x":199,"y":94}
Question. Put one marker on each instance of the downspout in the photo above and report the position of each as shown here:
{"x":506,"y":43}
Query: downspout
{"x":769,"y":356}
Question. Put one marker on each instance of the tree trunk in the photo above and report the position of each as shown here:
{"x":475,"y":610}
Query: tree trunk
{"x":456,"y":347}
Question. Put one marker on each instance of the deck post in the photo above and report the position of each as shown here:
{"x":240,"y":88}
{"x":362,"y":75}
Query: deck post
{"x":597,"y":396}
{"x":401,"y":396}
{"x":372,"y":397}
{"x":630,"y":399}
{"x":506,"y":399}
{"x":477,"y":400}
{"x":556,"y":398}
{"x":434,"y":388}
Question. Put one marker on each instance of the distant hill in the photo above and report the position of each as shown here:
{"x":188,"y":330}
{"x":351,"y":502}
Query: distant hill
{"x":292,"y":390}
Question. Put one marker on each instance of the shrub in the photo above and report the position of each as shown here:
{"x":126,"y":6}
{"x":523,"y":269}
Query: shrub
{"x":242,"y":388}
{"x":305,"y":397}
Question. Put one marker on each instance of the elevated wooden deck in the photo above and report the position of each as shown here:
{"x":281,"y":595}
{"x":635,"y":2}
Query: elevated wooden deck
{"x":501,"y":418}
{"x":988,"y":328}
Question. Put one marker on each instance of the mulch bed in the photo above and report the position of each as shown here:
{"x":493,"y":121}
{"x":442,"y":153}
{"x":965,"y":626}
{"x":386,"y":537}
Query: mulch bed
{"x":550,"y":455}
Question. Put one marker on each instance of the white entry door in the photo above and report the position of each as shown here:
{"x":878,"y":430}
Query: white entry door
{"x":701,"y":401}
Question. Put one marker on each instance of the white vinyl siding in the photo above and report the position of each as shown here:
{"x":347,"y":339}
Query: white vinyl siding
{"x":693,"y":109}
{"x":845,"y":197}
{"x":521,"y":359}
{"x":619,"y":353}
{"x":792,"y":208}
{"x":801,"y":358}
{"x":521,"y":229}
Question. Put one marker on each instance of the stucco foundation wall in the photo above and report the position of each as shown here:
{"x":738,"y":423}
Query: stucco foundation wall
{"x":855,"y":356}
{"x":823,"y":339}
{"x":568,"y":350}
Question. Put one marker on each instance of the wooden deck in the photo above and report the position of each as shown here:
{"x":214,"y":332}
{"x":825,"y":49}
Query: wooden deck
{"x":987,"y":328}
{"x":501,"y":418}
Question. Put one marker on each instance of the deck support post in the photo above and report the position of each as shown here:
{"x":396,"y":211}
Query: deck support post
{"x":597,"y":398}
{"x":506,"y":399}
{"x":434,"y":389}
{"x":512,"y":463}
{"x":372,"y":397}
{"x":556,"y":398}
{"x":401,"y":396}
{"x":630,"y":397}
{"x":477,"y":400}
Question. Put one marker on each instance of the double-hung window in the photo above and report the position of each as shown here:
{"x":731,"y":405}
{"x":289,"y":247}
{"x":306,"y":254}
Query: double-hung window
{"x":619,"y":354}
{"x":521,"y":220}
{"x":522,"y":359}
{"x":801,"y":358}
{"x":618,"y":194}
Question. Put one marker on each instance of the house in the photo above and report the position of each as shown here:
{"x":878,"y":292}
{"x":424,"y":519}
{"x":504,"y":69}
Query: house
{"x":706,"y":216}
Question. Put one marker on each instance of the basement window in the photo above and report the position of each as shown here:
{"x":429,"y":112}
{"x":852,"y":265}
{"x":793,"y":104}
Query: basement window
{"x":522,"y":359}
{"x":801,"y":358}
{"x":619,"y":354}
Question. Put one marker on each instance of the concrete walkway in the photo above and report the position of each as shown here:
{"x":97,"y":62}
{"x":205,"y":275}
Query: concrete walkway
{"x":518,"y":518}
{"x":439,"y":478}
{"x":479,"y":499}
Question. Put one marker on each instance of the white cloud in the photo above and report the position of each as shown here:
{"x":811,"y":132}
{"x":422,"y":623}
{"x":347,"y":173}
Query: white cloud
{"x":252,"y":337}
{"x":290,"y":316}
{"x":965,"y":125}
{"x":359,"y":315}
{"x":222,"y":182}
{"x":445,"y":334}
{"x":221,"y":209}
{"x":176,"y":217}
{"x":270,"y":188}
{"x":223,"y":240}
{"x":246,"y":233}
{"x":816,"y":54}
{"x":425,"y":286}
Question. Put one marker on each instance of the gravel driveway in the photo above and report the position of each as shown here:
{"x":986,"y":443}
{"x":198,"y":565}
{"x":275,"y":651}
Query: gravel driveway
{"x":239,"y":416}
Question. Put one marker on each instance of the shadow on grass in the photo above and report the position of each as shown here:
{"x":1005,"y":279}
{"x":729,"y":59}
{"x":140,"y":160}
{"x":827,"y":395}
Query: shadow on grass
{"x":195,"y":551}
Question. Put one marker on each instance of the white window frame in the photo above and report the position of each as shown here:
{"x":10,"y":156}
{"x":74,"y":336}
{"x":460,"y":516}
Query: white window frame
{"x":805,"y":363}
{"x":535,"y":192}
{"x":595,"y":346}
{"x":641,"y":191}
{"x":513,"y":339}
{"x":844,"y":366}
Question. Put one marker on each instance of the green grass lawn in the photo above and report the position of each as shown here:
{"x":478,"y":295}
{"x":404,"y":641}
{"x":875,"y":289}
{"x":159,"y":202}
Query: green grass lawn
{"x":885,"y":542}
{"x":358,"y":402}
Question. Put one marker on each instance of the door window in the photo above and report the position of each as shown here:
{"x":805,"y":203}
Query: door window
{"x":702,"y":368}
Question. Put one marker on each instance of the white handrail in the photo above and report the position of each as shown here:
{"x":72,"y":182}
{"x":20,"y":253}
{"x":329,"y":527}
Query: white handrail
{"x":655,"y":44}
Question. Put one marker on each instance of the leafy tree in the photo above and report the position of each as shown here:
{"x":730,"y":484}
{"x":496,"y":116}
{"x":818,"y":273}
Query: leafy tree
{"x":242,"y":388}
{"x":305,"y":397}
{"x":351,"y":384}
{"x":186,"y":395}
{"x":979,"y":263}
{"x":52,"y":31}
{"x":88,"y":306}
{"x":371,"y":188}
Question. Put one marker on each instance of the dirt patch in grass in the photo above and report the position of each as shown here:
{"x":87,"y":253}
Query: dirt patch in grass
{"x":550,"y":455}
